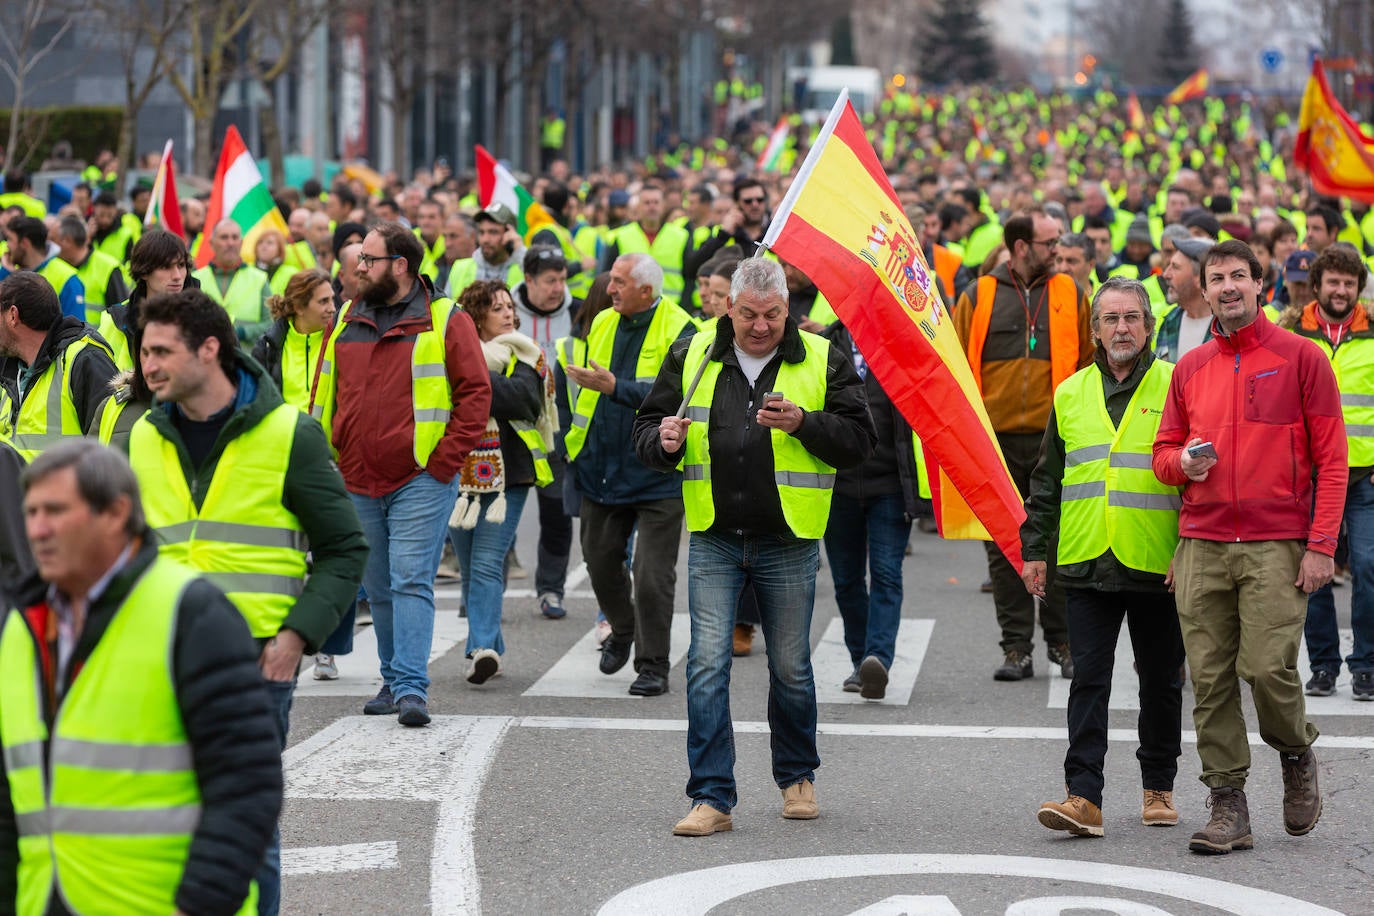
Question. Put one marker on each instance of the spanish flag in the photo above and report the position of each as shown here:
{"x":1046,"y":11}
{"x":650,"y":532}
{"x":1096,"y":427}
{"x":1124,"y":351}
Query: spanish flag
{"x":1135,"y":115}
{"x":1194,"y":87}
{"x":1330,"y":147}
{"x":841,"y":224}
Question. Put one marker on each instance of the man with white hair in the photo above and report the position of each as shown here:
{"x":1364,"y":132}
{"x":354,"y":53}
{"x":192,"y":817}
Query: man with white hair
{"x":625,"y":348}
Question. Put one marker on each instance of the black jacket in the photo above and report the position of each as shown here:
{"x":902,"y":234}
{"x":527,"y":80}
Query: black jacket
{"x":841,"y":435}
{"x":229,"y":725}
{"x":892,"y":466}
{"x":16,"y":561}
{"x":518,"y":396}
{"x":91,"y":369}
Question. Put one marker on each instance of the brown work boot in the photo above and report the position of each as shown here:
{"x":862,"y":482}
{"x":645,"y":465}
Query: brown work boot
{"x":1302,"y":800}
{"x":799,"y":802}
{"x":744,"y":639}
{"x":703,"y":821}
{"x":1158,"y":809}
{"x":1229,"y":827}
{"x":1075,"y":814}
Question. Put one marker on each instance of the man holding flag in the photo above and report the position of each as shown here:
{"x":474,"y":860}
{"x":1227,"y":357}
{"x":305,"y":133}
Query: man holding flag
{"x":1025,"y":330}
{"x":756,"y":505}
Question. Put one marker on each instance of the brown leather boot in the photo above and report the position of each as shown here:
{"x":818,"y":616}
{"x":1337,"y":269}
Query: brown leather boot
{"x":703,"y":821}
{"x":1229,"y":827}
{"x":744,"y":640}
{"x":1157,"y":809}
{"x":1302,"y":800}
{"x":799,"y":802}
{"x":1075,"y":814}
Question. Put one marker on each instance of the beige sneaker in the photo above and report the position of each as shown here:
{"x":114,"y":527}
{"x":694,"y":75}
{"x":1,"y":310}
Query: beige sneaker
{"x":1157,"y":810}
{"x":703,"y":821}
{"x":1075,"y":814}
{"x":799,"y":802}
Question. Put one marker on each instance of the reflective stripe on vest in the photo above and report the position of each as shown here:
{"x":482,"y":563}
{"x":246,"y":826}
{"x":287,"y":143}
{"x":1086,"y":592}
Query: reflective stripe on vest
{"x":242,"y":538}
{"x":1111,"y":498}
{"x":533,"y":440}
{"x":666,"y":248}
{"x":1064,"y":343}
{"x":244,"y":298}
{"x":107,"y":825}
{"x":48,"y":412}
{"x":664,"y":327}
{"x":572,"y":351}
{"x":430,"y":392}
{"x":804,"y":482}
{"x":1353,"y":363}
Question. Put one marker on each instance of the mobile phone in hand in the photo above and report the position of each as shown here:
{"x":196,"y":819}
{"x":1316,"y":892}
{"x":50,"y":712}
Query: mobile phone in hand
{"x":1202,"y":450}
{"x":772,"y":396}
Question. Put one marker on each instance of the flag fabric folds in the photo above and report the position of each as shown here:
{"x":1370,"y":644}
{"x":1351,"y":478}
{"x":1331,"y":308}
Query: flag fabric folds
{"x":496,"y":185}
{"x":240,"y":193}
{"x":1134,"y":113}
{"x":842,"y":225}
{"x":163,"y":208}
{"x":770,"y":159}
{"x":1194,"y":87}
{"x":1330,"y":147}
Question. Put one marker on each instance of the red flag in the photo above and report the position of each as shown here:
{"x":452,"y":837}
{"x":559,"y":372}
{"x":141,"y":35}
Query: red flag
{"x":1135,"y":115}
{"x":1194,"y":87}
{"x":163,"y":207}
{"x":842,"y":225}
{"x":1330,"y":147}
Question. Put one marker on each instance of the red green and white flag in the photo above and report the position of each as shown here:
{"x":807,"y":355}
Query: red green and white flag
{"x":496,"y":185}
{"x":163,"y":209}
{"x":770,"y":160}
{"x":240,"y":193}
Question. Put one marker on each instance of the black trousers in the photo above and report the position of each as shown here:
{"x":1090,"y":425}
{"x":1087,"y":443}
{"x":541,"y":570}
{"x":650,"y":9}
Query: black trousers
{"x":1094,"y":626}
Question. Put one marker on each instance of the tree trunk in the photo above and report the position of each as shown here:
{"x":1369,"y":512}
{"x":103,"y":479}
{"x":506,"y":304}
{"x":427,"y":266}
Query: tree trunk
{"x":124,"y":152}
{"x":205,"y":151}
{"x":402,"y":103}
{"x":271,"y":137}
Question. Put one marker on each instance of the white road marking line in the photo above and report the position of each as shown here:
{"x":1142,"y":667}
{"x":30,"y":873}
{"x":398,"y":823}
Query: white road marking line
{"x":850,"y":730}
{"x":326,"y":860}
{"x":576,"y":674}
{"x":454,"y":888}
{"x":576,"y":576}
{"x":358,"y":674}
{"x":830,"y":664}
{"x":698,"y":892}
{"x":365,"y":757}
{"x":911,"y":905}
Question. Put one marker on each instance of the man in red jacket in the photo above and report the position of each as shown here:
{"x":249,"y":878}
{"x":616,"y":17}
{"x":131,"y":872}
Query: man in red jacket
{"x":1251,"y":415}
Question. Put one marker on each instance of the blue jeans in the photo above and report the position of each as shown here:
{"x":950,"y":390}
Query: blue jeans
{"x":405,"y":531}
{"x":1323,"y":637}
{"x":868,"y":532}
{"x":783,"y":570}
{"x":481,"y":554}
{"x":269,"y":873}
{"x":340,"y":642}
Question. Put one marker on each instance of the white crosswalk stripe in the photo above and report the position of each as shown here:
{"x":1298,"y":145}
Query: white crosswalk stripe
{"x":576,"y":674}
{"x":831,"y":664}
{"x":358,"y":674}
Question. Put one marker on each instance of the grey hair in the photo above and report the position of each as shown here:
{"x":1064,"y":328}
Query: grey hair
{"x":645,"y":271}
{"x":102,"y":476}
{"x":1125,"y":285}
{"x":760,"y":276}
{"x":1081,"y":242}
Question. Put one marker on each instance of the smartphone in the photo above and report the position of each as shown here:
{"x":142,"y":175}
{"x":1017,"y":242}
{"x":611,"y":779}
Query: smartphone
{"x":1202,"y":450}
{"x":771,"y":396}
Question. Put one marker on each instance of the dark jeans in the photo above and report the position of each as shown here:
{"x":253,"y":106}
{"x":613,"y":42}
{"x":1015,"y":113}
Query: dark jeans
{"x":868,"y":535}
{"x":340,"y":642}
{"x":1015,"y":605}
{"x":783,"y":570}
{"x":269,"y":873}
{"x":642,"y":612}
{"x":1323,"y":636}
{"x":555,"y":535}
{"x":1094,"y":626}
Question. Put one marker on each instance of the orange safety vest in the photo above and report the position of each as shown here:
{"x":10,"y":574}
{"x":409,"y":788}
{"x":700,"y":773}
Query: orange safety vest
{"x":1063,"y":327}
{"x":947,"y":265}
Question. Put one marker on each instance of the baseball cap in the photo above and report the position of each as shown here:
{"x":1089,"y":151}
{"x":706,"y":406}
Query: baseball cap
{"x":495,"y":213}
{"x":618,"y":198}
{"x":1298,"y":265}
{"x":1194,"y":249}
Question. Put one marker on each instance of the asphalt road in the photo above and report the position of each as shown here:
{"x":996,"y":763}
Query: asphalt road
{"x":549,"y":790}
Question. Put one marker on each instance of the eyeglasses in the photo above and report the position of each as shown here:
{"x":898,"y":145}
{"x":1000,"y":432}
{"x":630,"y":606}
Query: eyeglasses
{"x":365,"y":261}
{"x":1051,"y":244}
{"x":752,"y":200}
{"x":1129,"y":318}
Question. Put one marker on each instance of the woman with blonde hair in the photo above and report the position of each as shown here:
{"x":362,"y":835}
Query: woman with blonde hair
{"x":290,"y":350}
{"x":269,"y":254}
{"x":497,"y":475}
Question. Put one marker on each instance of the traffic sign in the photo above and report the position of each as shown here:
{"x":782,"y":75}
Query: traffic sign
{"x":1271,"y":59}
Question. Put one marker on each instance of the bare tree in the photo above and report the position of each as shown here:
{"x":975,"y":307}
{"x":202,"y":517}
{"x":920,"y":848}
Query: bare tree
{"x":278,"y":34}
{"x":1127,"y":32}
{"x":32,"y":30}
{"x":209,"y":53}
{"x":139,"y":29}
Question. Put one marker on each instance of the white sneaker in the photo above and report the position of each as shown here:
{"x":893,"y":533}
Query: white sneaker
{"x":325,"y":669}
{"x":484,"y":665}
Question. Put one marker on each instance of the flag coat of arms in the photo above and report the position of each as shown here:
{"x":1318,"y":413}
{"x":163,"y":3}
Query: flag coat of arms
{"x":842,"y":225}
{"x":1330,"y":146}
